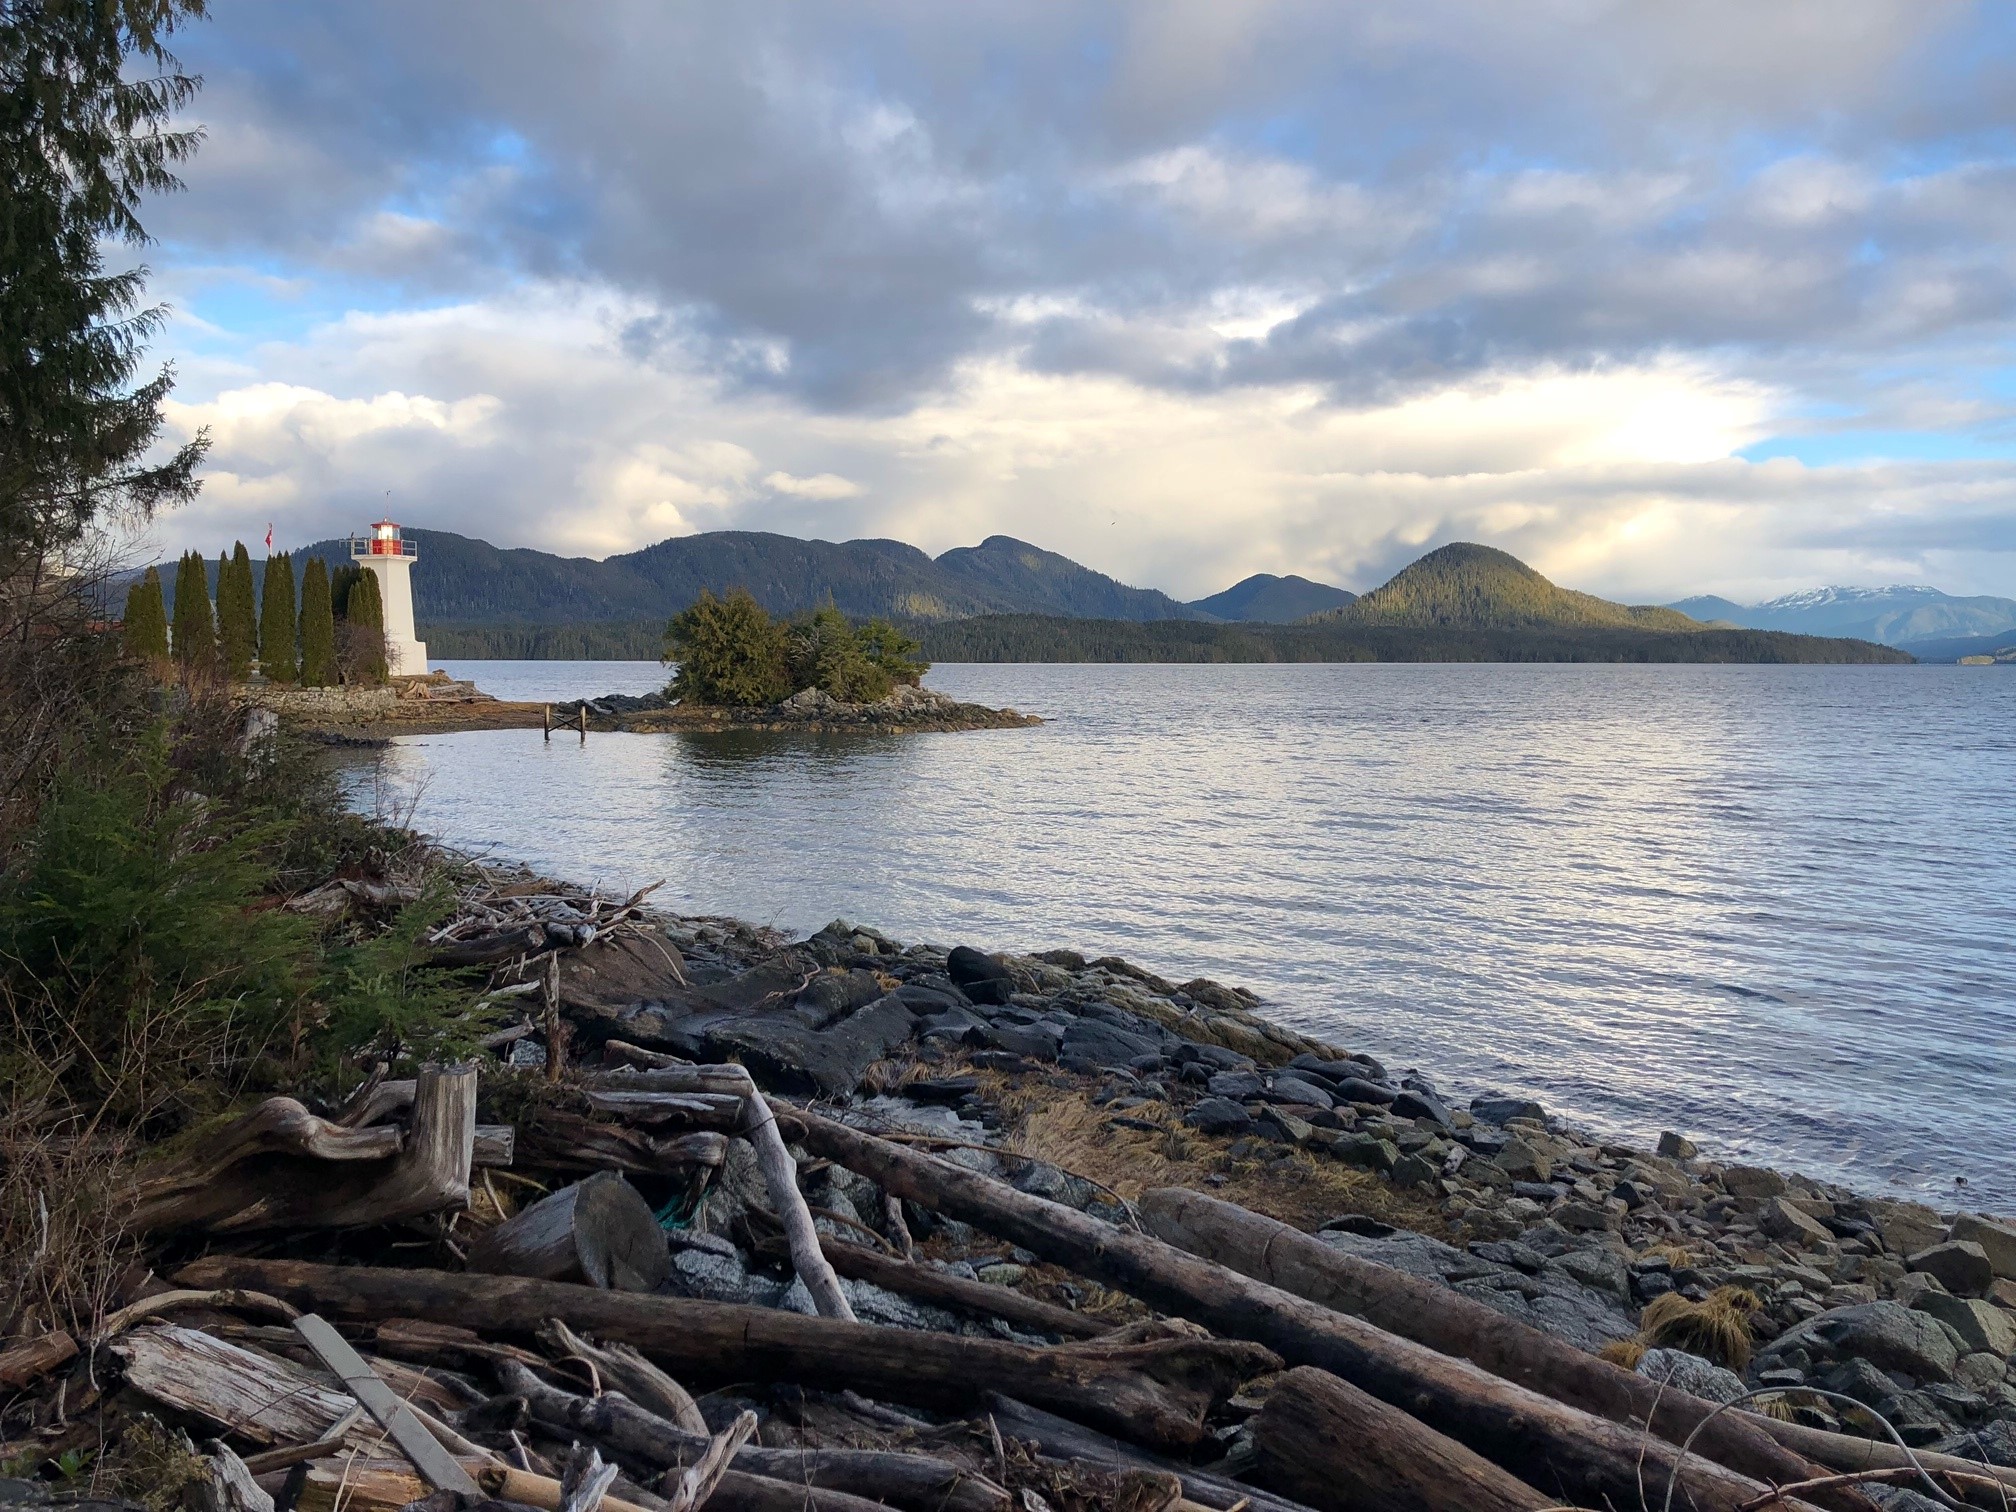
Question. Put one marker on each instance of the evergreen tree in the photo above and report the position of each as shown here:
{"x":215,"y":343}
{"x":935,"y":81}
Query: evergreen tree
{"x":363,"y":634}
{"x":318,"y":627}
{"x":826,"y":654}
{"x":237,"y":614}
{"x":341,"y":581}
{"x":147,"y":621}
{"x":730,"y":653}
{"x":893,"y":651}
{"x":83,"y":136}
{"x":195,"y":630}
{"x":276,"y":621}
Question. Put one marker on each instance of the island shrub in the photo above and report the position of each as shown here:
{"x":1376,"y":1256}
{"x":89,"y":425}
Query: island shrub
{"x":733,"y":654}
{"x":826,"y":654}
{"x":146,"y":625}
{"x":894,"y":652}
{"x":277,"y":627}
{"x":730,"y":653}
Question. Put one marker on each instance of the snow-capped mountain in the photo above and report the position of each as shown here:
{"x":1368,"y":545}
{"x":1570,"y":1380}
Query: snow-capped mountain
{"x":1896,"y":616}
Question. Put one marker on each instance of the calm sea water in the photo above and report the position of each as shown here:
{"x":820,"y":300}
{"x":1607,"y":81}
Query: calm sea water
{"x":1774,"y":908}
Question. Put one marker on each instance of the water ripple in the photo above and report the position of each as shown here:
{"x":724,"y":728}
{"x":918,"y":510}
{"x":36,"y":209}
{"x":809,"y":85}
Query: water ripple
{"x":1768,"y":906}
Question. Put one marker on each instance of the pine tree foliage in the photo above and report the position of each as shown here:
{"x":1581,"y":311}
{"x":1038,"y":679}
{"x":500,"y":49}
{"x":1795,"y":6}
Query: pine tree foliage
{"x":342,"y":580}
{"x":86,"y":91}
{"x":277,"y":627}
{"x":146,"y":625}
{"x":237,"y":614}
{"x":732,"y":654}
{"x":318,"y":627}
{"x":195,"y":629}
{"x":825,"y":654}
{"x":897,"y":654}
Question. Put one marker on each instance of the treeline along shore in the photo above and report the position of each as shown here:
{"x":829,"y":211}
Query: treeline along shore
{"x":1055,"y":638}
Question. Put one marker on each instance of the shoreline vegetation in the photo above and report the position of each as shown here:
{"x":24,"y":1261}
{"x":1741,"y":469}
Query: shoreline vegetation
{"x":1053,"y":638}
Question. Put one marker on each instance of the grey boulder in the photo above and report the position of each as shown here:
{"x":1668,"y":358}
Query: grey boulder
{"x":1886,"y":1334}
{"x":1691,"y":1374}
{"x":1961,"y":1265}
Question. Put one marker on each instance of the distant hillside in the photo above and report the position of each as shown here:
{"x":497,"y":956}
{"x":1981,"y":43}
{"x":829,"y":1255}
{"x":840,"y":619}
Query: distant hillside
{"x":1895,"y":615}
{"x":1273,"y":600}
{"x":1042,"y":582}
{"x":1952,"y":648}
{"x":461,"y":581}
{"x":1055,"y":638}
{"x":1707,"y":608}
{"x":1470,"y":587}
{"x":1036,"y":638}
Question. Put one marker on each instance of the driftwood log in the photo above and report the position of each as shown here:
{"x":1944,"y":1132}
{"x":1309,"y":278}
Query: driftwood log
{"x":562,"y":1141}
{"x":388,"y":1485}
{"x":913,"y":1481}
{"x":624,"y":1370}
{"x":1455,"y":1325}
{"x":1849,"y":1455}
{"x":30,"y":1361}
{"x":282,"y":1167}
{"x":249,"y":1394}
{"x":758,"y":1125}
{"x":484,"y":950}
{"x":1059,"y":1440}
{"x":1570,"y":1454}
{"x":227,"y":1485}
{"x":599,"y":1231}
{"x":1156,"y":1393}
{"x":979,"y":1298}
{"x":1318,"y":1444}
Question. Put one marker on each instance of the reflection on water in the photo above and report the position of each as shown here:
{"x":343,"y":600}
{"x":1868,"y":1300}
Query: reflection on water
{"x":1771,"y":907}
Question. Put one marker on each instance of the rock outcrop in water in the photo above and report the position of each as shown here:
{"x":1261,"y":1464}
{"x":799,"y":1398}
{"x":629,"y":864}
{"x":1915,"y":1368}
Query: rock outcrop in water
{"x":905,"y":709}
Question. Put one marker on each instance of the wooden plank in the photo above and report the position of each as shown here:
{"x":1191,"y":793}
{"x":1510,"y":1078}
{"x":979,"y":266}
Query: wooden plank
{"x":436,"y":1465}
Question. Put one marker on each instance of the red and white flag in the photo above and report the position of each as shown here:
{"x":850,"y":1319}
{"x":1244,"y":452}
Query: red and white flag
{"x":269,"y":538}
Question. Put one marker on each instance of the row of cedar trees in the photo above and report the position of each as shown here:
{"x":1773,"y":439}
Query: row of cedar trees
{"x":337,"y":636}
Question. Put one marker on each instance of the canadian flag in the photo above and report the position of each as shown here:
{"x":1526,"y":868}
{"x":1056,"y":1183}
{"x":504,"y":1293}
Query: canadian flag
{"x":269,"y":537}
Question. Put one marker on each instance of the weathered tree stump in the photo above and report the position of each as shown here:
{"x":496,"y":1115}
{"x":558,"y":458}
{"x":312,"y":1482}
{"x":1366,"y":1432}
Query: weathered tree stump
{"x":599,"y":1231}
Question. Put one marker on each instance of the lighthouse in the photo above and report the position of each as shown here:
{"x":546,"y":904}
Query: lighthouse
{"x":385,"y":553}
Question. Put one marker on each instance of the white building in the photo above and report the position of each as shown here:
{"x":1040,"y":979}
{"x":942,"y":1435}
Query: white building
{"x":392,"y":559}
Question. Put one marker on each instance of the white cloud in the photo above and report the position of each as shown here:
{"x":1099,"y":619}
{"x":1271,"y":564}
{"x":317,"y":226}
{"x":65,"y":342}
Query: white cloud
{"x":821,"y":486}
{"x":1622,"y":479}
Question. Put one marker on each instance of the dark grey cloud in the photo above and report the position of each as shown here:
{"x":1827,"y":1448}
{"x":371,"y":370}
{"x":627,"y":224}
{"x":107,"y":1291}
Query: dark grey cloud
{"x":842,"y":200}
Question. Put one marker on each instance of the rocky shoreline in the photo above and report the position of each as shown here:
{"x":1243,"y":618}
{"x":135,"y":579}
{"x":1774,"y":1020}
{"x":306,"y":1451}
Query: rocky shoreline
{"x":905,"y":710}
{"x":949,"y":1231}
{"x":439,"y":705}
{"x":1721,"y":1277}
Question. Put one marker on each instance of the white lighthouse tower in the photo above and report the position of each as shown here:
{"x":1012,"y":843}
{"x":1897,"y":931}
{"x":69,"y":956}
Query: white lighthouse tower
{"x":392,"y":559}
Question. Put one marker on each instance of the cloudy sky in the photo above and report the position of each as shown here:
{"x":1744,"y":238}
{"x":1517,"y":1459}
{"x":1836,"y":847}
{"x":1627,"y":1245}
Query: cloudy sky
{"x":1665,"y":298}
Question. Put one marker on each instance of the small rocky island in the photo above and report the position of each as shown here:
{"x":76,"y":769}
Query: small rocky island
{"x":737,"y":669}
{"x":904,"y":709}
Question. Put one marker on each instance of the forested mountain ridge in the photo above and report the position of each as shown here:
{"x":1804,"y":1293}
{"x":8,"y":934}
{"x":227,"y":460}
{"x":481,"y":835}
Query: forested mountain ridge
{"x":463,"y":581}
{"x":1471,"y":587}
{"x":1266,"y":599}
